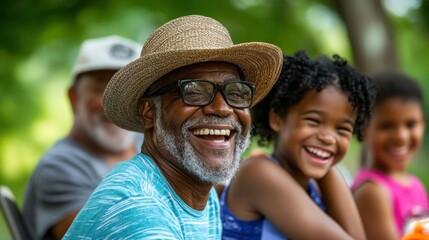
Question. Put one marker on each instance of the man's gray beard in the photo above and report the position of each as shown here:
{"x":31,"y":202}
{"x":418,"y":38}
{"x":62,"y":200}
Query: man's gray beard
{"x":184,"y":154}
{"x":110,"y":138}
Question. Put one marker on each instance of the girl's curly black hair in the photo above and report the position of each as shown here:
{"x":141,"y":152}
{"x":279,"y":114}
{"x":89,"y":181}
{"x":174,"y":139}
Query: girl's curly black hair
{"x":301,"y":74}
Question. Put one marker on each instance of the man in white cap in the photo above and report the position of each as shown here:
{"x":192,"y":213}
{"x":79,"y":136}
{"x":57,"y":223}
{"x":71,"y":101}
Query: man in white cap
{"x":189,"y":93}
{"x":73,"y":167}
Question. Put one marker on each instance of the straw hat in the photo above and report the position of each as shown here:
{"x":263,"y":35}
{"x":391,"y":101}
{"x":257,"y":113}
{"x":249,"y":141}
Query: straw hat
{"x":181,"y":42}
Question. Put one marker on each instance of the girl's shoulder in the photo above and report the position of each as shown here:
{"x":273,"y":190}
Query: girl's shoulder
{"x":260,"y":166}
{"x":370,"y":185}
{"x":365,"y":176}
{"x":416,"y":180}
{"x":261,"y":173}
{"x":372,"y":195}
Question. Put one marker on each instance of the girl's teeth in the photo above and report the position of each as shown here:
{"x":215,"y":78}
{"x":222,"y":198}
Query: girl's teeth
{"x":318,"y":152}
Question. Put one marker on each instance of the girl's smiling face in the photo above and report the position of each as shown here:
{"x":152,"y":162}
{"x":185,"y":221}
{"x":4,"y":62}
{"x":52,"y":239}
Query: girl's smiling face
{"x":394,"y":134}
{"x":315,"y":133}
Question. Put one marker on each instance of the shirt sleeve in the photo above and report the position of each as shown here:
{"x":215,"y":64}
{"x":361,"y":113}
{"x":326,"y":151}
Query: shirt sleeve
{"x":61,"y":189}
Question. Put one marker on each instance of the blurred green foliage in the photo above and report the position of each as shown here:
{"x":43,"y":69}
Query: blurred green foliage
{"x":39,"y":42}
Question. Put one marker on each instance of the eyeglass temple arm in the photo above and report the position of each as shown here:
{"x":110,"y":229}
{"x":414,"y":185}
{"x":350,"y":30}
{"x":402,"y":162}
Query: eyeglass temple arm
{"x":160,"y":91}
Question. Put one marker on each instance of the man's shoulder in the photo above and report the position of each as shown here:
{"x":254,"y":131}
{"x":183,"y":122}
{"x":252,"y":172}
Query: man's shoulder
{"x":133,"y":184}
{"x":68,"y":161}
{"x":136,"y":176}
{"x":65,"y":148}
{"x":139,"y":166}
{"x":67,"y":152}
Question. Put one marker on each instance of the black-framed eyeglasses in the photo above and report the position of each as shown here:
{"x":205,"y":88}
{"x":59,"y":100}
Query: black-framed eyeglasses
{"x":199,"y":92}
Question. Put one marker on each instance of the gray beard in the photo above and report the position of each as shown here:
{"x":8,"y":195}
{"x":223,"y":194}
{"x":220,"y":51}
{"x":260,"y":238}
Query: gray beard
{"x":111,"y":138}
{"x":184,"y":153}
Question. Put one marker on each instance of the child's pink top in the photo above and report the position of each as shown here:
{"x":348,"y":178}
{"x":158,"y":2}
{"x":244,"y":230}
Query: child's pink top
{"x":407,"y":200}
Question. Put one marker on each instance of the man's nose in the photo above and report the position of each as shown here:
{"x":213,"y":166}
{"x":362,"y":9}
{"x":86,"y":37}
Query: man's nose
{"x":218,"y":106}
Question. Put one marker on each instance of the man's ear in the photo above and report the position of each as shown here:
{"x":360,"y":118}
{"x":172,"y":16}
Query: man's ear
{"x":274,"y":120}
{"x":147,"y":113}
{"x":72,"y":94}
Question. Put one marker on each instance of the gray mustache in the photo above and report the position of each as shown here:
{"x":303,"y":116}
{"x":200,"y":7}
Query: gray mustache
{"x":208,"y":120}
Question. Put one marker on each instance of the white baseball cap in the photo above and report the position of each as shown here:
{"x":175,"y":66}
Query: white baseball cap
{"x":105,"y":53}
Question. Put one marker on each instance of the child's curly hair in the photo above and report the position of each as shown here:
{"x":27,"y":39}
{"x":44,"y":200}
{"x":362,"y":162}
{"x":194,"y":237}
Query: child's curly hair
{"x":299,"y":75}
{"x":395,"y":84}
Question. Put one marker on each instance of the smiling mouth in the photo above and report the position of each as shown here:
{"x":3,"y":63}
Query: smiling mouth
{"x":319,"y":153}
{"x":398,"y":150}
{"x":214,"y":134}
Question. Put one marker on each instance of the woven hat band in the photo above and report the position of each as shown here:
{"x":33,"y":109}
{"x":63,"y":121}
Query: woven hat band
{"x":188,"y":33}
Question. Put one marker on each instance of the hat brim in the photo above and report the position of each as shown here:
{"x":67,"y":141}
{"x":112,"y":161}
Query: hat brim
{"x":260,"y":63}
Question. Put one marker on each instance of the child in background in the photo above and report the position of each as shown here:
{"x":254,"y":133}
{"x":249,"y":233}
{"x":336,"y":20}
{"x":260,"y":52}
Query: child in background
{"x":310,"y":115}
{"x":385,"y":193}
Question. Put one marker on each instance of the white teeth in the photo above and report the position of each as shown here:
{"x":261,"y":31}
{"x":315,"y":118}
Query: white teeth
{"x":206,"y":131}
{"x":318,"y":152}
{"x":399,"y":150}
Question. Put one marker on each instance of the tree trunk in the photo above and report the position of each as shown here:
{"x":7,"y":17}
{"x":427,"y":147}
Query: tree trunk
{"x":370,"y":34}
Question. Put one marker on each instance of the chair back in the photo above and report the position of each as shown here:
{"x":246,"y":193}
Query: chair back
{"x":14,"y":218}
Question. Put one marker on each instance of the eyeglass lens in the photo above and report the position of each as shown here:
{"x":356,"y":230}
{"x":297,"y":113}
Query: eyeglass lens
{"x":200,"y":93}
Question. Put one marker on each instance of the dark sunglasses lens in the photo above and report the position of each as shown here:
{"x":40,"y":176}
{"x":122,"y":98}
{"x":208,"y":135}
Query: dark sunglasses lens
{"x":198,"y":93}
{"x":238,"y":94}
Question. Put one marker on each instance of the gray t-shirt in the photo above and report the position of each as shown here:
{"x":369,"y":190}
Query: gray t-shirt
{"x":61,"y":184}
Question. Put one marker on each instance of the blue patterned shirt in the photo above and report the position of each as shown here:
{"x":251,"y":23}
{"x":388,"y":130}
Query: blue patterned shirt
{"x":135,"y":201}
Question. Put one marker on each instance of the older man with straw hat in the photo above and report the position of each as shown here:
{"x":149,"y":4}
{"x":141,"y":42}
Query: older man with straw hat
{"x":189,"y":93}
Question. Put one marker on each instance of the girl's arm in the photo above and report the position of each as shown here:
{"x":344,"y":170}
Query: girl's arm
{"x":263,"y":188}
{"x":375,"y":209}
{"x":340,"y":203}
